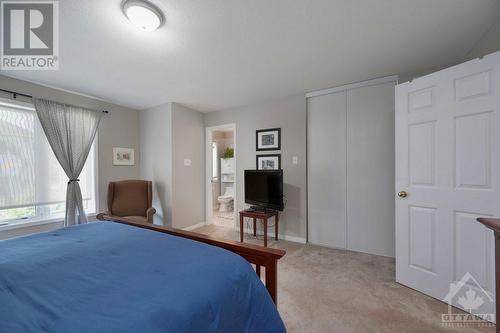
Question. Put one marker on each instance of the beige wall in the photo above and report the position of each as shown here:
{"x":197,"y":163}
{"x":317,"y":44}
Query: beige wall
{"x":170,"y":133}
{"x":188,"y":186}
{"x":489,"y":43}
{"x":408,"y":76}
{"x":156,"y":158}
{"x":119,"y":128}
{"x":289,"y":114}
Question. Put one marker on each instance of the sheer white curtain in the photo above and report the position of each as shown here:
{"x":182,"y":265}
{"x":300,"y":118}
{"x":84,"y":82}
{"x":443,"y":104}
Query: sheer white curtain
{"x":70,"y":131}
{"x":32,"y":183}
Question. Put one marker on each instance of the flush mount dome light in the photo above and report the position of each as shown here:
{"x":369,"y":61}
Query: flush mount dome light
{"x":143,"y":14}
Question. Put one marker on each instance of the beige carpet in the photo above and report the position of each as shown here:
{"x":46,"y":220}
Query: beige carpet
{"x":326,"y":290}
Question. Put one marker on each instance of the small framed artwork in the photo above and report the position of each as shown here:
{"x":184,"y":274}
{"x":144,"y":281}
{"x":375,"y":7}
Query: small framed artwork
{"x":269,"y":162}
{"x":123,"y":156}
{"x":268,"y":139}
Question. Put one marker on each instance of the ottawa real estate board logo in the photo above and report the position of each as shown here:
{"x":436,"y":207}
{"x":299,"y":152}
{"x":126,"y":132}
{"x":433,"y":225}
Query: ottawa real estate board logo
{"x":29,"y":35}
{"x":469,"y":295}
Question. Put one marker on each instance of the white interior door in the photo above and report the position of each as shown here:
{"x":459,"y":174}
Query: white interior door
{"x":448,"y":163}
{"x":326,"y":150}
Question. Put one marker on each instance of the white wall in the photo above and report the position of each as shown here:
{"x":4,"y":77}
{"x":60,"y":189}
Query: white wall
{"x":155,"y":128}
{"x":170,"y":133}
{"x":289,"y":114}
{"x":188,"y":186}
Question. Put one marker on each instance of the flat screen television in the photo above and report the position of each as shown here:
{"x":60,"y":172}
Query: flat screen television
{"x":264,"y":189}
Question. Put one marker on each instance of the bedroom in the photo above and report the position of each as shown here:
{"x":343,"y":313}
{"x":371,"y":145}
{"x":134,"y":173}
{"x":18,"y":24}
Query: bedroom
{"x":373,"y":121}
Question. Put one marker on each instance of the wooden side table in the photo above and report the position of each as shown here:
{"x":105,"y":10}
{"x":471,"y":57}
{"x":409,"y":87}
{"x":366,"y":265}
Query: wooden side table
{"x":264,"y":217}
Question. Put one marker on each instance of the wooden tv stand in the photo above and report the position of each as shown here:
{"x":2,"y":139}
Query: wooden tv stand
{"x":264,"y":217}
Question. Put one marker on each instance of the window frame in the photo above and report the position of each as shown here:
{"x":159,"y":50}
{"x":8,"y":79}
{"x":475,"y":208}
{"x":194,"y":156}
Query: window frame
{"x":34,"y":221}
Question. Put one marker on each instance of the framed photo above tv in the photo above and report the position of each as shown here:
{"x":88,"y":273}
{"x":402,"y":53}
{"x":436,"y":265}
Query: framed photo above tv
{"x":269,"y":162}
{"x":268,"y":139}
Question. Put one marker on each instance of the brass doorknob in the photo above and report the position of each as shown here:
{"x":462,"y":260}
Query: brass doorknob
{"x":402,"y":194}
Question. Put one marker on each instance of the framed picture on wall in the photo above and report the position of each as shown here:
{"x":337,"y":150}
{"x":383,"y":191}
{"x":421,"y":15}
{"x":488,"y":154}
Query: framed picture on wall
{"x":268,"y":139}
{"x":269,"y":162}
{"x":123,"y":156}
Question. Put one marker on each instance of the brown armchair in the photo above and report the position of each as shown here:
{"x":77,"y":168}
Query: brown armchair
{"x":131,"y":200}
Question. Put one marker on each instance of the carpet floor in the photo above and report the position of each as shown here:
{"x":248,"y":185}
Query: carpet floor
{"x":327,"y":290}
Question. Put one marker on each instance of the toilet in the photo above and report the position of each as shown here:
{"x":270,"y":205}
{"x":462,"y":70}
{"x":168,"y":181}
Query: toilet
{"x":226,"y":200}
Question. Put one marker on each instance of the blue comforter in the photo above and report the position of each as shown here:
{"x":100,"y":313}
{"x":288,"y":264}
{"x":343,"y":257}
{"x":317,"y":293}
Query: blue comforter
{"x":110,"y":277}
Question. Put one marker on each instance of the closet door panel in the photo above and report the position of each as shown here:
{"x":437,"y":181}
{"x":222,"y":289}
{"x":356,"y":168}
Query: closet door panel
{"x":370,"y":169}
{"x":327,"y":169}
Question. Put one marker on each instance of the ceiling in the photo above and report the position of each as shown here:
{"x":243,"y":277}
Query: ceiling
{"x":219,"y":54}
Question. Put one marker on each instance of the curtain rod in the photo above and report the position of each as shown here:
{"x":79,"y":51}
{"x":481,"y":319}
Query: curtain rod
{"x":15,"y":94}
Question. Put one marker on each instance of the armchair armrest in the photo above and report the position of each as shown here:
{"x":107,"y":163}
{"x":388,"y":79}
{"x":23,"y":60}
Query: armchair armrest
{"x":107,"y":216}
{"x":102,"y":216}
{"x":150,"y":213}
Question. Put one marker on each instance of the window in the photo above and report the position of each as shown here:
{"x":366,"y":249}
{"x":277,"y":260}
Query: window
{"x":215,"y":161}
{"x":32,"y":183}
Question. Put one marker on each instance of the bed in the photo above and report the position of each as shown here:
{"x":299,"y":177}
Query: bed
{"x":127,"y":277}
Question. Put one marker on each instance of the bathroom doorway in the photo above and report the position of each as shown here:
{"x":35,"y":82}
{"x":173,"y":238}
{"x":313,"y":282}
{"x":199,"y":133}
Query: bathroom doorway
{"x":221,"y":175}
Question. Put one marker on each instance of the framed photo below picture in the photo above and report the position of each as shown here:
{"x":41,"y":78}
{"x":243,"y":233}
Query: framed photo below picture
{"x":268,"y":139}
{"x":123,"y":156}
{"x":269,"y":162}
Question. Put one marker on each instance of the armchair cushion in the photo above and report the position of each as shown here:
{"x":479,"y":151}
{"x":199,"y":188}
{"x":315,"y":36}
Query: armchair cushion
{"x":140,"y":219}
{"x":129,"y":198}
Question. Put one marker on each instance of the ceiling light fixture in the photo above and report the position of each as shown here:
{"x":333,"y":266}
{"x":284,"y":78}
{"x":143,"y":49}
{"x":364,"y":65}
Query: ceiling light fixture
{"x":143,"y":14}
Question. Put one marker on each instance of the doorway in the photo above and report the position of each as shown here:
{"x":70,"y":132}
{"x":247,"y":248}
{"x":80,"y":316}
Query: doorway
{"x":221,"y":175}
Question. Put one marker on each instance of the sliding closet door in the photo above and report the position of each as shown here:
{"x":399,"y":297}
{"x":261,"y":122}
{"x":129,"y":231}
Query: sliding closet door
{"x":327,"y":169}
{"x":370,"y":169}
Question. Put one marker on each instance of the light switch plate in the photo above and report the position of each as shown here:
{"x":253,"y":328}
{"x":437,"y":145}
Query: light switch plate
{"x":187,"y":162}
{"x":295,"y":160}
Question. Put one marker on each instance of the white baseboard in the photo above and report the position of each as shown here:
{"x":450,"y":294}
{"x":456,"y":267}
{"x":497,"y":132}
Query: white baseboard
{"x":295,"y":239}
{"x":197,"y":225}
{"x":270,"y":235}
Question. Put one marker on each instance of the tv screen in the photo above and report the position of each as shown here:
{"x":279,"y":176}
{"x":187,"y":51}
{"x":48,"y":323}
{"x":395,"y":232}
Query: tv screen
{"x":264,"y":188}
